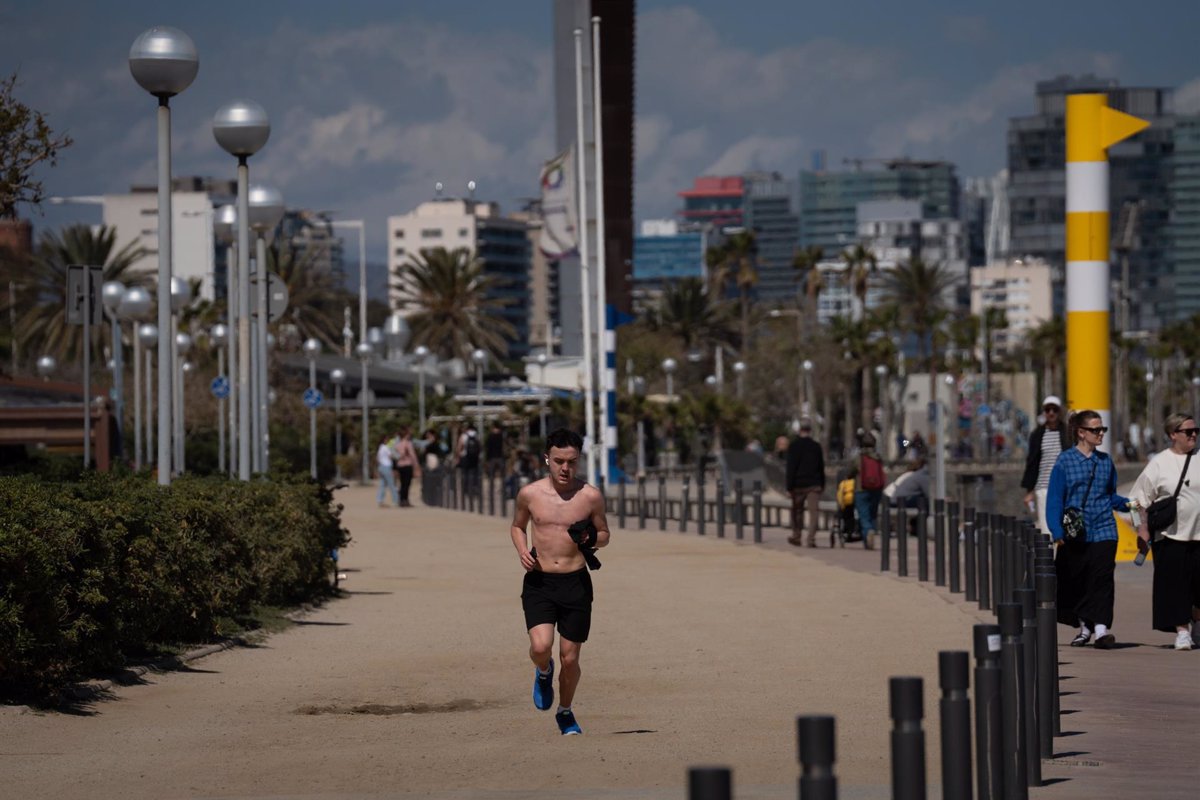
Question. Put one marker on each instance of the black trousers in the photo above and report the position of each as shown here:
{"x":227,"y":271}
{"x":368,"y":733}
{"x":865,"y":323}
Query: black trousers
{"x":1176,"y":583}
{"x":406,"y":478}
{"x":1086,"y":591}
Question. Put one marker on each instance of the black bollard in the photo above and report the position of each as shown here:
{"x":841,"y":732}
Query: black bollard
{"x":953,"y":532}
{"x":815,"y":736}
{"x":710,"y":783}
{"x":1047,"y":653}
{"x":756,"y":494}
{"x":1033,"y":749}
{"x":989,"y":775}
{"x":662,"y":502}
{"x":720,"y":509}
{"x":641,"y":502}
{"x":955,"y":708}
{"x":983,"y":546}
{"x":901,"y":542}
{"x":885,"y":536}
{"x":621,"y":504}
{"x":739,"y":509}
{"x":908,"y":740}
{"x":999,"y":548}
{"x":491,"y":489}
{"x":684,"y":509}
{"x":923,"y":541}
{"x":969,"y":555}
{"x":939,"y":542}
{"x":1012,"y":702}
{"x":701,"y":506}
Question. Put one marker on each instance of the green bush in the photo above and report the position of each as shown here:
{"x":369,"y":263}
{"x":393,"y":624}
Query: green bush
{"x":109,"y":567}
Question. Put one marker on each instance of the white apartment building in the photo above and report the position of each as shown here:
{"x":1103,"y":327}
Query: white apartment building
{"x":1022,"y":288}
{"x":135,"y":218}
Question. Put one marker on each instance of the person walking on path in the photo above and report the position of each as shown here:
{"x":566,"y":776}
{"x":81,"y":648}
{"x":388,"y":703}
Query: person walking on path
{"x":1176,"y":592}
{"x":805,"y":482}
{"x":468,"y":460}
{"x":1084,"y":482}
{"x":871,"y":481}
{"x":566,"y":522}
{"x":406,"y":464}
{"x":384,"y":462}
{"x":1045,"y":443}
{"x":493,"y":452}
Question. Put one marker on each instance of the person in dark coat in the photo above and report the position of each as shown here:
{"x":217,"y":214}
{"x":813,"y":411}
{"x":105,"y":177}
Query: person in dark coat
{"x":805,"y":482}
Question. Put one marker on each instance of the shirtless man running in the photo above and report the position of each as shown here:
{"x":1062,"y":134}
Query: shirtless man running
{"x":557,"y":587}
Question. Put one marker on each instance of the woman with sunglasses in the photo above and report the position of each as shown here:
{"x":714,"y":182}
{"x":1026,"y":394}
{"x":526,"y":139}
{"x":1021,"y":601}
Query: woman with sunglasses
{"x":1177,"y":548}
{"x":1083,"y":478}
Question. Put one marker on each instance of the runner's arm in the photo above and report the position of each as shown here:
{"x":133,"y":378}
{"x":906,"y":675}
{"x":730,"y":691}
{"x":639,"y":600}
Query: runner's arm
{"x":599,"y":519}
{"x":519,"y":523}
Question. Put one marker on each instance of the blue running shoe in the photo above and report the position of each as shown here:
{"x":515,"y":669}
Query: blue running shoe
{"x":567,"y":724}
{"x":543,"y":688}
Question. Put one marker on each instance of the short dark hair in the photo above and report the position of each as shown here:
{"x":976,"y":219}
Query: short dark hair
{"x":564,"y":437}
{"x":1081,"y":419}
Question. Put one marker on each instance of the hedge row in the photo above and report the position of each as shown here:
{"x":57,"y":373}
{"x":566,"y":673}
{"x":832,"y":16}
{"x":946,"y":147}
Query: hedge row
{"x":103,"y":569}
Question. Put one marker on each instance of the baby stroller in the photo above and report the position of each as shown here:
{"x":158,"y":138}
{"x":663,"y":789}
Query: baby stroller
{"x":845,"y":525}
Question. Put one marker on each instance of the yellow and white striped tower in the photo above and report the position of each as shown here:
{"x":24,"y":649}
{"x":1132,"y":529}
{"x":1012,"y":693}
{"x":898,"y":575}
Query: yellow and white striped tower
{"x":1092,"y":127}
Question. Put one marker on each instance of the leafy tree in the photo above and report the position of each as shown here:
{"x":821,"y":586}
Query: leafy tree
{"x":453,"y":312}
{"x":916,"y":290}
{"x":26,"y":140}
{"x":805,"y":263}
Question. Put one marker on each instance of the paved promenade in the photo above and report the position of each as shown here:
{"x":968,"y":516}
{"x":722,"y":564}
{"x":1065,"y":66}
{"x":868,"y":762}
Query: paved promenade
{"x":416,"y":682}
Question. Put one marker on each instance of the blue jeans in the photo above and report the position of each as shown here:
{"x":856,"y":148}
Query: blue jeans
{"x":866,"y":503}
{"x":387,"y":483}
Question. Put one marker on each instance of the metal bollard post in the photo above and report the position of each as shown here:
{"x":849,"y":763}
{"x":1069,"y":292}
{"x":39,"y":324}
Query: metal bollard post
{"x":989,"y":753}
{"x":983,"y":547}
{"x":641,"y":502}
{"x":908,"y":740}
{"x":739,"y":508}
{"x":939,"y":542}
{"x":756,"y":495}
{"x":662,"y":502}
{"x":491,"y":487}
{"x":710,"y":783}
{"x":954,"y":534}
{"x":621,"y":504}
{"x":815,"y":736}
{"x":1033,"y":761}
{"x":701,"y":506}
{"x":955,"y":708}
{"x":885,"y":537}
{"x":923,"y":542}
{"x":999,"y":547}
{"x":1012,"y":702}
{"x":969,"y":555}
{"x":684,"y":509}
{"x":901,"y":542}
{"x":720,"y":509}
{"x":1047,"y":684}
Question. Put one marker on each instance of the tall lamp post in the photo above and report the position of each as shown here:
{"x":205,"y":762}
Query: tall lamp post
{"x":885,"y":421}
{"x":479,"y":357}
{"x":266,"y":210}
{"x":183,"y":343}
{"x":147,"y":334}
{"x":421,"y":355}
{"x":225,"y":229}
{"x":338,"y":377}
{"x":362,"y":324}
{"x":164,"y":62}
{"x":1195,"y":392}
{"x":312,"y":349}
{"x":135,"y":305}
{"x":669,"y":365}
{"x":364,"y":351}
{"x":241,"y":128}
{"x":46,"y":366}
{"x":1149,"y":400}
{"x":219,"y":334}
{"x":739,"y":370}
{"x":181,"y":298}
{"x":806,"y":405}
{"x":111,"y":294}
{"x":542,"y":358}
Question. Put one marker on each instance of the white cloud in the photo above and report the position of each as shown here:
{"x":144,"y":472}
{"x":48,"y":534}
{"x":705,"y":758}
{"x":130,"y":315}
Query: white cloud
{"x":1187,"y":97}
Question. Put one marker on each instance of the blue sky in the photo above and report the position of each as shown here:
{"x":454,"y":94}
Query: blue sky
{"x":371,"y":102}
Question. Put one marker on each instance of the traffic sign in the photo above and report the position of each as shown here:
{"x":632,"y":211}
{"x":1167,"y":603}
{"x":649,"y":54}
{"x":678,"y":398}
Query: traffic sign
{"x":220,"y":387}
{"x":313,"y":397}
{"x":75,"y":303}
{"x":277,"y":296}
{"x":985,"y":410}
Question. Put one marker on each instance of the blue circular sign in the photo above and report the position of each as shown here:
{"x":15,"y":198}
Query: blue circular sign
{"x":313,"y":397}
{"x":220,"y":387}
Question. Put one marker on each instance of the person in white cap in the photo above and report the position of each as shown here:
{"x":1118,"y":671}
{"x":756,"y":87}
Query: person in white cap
{"x":1043,"y":452}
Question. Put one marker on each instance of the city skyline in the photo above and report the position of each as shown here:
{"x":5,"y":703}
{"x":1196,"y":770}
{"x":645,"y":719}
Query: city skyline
{"x":371,"y":106}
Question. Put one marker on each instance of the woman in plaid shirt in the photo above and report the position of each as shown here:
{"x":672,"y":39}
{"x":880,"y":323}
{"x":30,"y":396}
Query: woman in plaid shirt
{"x":1084,"y":477}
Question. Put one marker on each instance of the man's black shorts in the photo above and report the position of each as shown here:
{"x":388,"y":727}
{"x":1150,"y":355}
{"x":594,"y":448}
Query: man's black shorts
{"x":564,"y":599}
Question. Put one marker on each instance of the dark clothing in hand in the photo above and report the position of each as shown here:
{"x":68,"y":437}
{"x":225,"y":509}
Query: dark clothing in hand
{"x":805,"y":464}
{"x":583,"y":534}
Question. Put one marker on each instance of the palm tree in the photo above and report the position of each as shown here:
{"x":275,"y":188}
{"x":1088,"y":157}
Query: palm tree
{"x":315,"y":300}
{"x":917,"y":292}
{"x":689,"y":313}
{"x":453,"y":308}
{"x":41,"y":283}
{"x":805,"y":263}
{"x":860,"y":265}
{"x":735,"y":261}
{"x":1046,"y":344}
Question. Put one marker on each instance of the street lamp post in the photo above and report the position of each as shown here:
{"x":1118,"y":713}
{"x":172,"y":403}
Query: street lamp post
{"x":181,"y":298}
{"x":739,"y":370}
{"x":940,"y":453}
{"x":135,"y":305}
{"x":266,"y":210}
{"x":669,"y":365}
{"x":111,"y":294}
{"x":46,"y":366}
{"x":1149,"y":400}
{"x":183,"y":343}
{"x":241,"y":128}
{"x":806,"y":367}
{"x":542,"y":358}
{"x":421,"y":354}
{"x":164,"y":62}
{"x":1195,"y":392}
{"x":220,"y":337}
{"x":312,"y":349}
{"x":479,"y":357}
{"x":225,"y":229}
{"x":363,"y":351}
{"x":338,"y":377}
{"x":362,"y":323}
{"x":147,"y":334}
{"x":885,"y":421}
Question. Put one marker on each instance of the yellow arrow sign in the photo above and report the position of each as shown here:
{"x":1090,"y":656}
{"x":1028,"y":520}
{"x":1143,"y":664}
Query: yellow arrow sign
{"x":1093,"y":127}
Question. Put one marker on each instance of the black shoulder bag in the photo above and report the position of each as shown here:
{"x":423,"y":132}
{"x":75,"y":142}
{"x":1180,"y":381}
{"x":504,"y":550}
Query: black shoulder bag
{"x":1072,"y":518}
{"x":1160,"y":515}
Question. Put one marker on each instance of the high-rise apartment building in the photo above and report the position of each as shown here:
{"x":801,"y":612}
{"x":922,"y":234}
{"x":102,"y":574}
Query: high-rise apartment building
{"x":1184,"y":238}
{"x":501,"y":243}
{"x":1021,"y":290}
{"x":770,"y":212}
{"x":715,"y":201}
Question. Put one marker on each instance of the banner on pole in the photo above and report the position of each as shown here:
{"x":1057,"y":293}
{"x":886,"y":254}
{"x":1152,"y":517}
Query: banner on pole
{"x":559,"y":216}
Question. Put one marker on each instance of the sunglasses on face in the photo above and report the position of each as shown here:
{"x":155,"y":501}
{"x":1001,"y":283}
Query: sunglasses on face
{"x":1098,"y":431}
{"x":1050,"y":409}
{"x":1188,"y":432}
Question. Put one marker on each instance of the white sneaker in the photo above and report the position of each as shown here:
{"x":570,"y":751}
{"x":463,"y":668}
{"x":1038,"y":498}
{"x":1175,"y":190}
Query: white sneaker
{"x":1183,"y":640}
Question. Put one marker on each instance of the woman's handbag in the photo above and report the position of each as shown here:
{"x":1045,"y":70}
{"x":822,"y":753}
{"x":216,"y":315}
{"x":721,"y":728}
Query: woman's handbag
{"x":1160,"y":515}
{"x":1072,"y":518}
